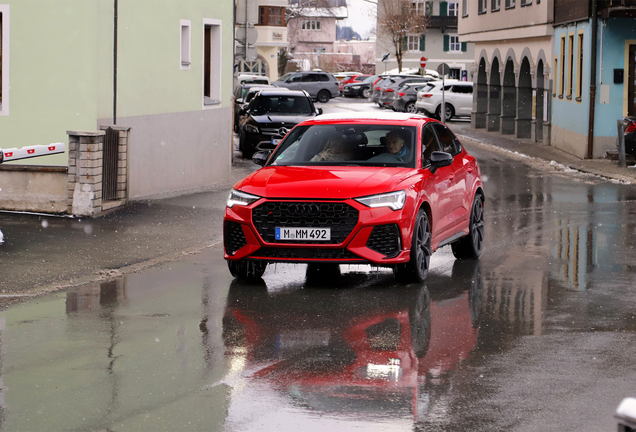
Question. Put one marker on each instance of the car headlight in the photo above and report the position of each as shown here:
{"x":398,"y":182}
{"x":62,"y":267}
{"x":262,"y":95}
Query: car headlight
{"x":251,"y":128}
{"x":240,"y":198}
{"x":356,"y":87}
{"x":393,"y":200}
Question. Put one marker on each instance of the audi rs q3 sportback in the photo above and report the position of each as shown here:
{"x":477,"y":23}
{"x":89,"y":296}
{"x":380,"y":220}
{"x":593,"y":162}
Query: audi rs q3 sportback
{"x":383,"y":189}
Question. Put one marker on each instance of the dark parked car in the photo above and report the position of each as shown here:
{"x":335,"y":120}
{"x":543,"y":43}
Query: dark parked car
{"x":376,"y":90}
{"x":270,"y":115}
{"x":349,"y":80}
{"x":391,"y":86}
{"x":358,"y":89}
{"x":405,"y":97}
{"x":239,"y":99}
{"x":321,"y":86}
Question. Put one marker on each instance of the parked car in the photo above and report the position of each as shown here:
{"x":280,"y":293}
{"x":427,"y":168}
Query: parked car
{"x":458,"y":96}
{"x":404,"y":98}
{"x":321,"y":86}
{"x":239,"y":97}
{"x":391,"y":87}
{"x":251,"y":79}
{"x":270,"y":115}
{"x":349,"y":80}
{"x":376,"y":91}
{"x":386,"y":190}
{"x":630,"y":135}
{"x":358,"y":89}
{"x":342,"y":75}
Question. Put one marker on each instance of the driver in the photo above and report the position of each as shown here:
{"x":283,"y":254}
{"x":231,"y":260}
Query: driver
{"x":395,"y":144}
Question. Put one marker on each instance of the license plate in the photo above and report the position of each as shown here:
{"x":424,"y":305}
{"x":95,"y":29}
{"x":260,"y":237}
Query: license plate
{"x":308,"y":234}
{"x":276,"y":141}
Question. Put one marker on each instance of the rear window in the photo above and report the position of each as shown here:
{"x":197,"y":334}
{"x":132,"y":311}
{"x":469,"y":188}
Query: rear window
{"x":347,"y":145}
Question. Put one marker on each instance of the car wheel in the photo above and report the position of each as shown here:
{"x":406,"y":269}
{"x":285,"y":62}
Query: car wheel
{"x":470,"y":246}
{"x":416,"y":269}
{"x":450,"y":112}
{"x":244,"y":269}
{"x":323,"y":96}
{"x":410,"y":108}
{"x":366,"y":93}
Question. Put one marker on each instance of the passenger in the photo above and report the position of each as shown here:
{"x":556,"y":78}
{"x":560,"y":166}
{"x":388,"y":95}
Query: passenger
{"x":335,"y":150}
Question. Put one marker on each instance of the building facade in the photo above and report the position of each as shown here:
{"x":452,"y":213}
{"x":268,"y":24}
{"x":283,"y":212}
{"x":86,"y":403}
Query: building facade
{"x":513,"y":73}
{"x":160,"y":76}
{"x":261,"y":30}
{"x":439,"y":43}
{"x":594,"y":63}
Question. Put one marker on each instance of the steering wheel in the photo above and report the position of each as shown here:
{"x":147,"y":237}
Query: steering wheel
{"x":386,"y":157}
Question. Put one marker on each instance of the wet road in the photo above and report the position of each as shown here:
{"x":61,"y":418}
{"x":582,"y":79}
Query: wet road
{"x":538,"y":335}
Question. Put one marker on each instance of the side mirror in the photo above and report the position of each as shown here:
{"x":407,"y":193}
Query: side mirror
{"x":319,"y":111}
{"x":239,"y":101}
{"x":440,"y":159}
{"x":260,"y":157}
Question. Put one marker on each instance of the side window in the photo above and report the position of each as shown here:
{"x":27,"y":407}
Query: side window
{"x":295,"y":78}
{"x":464,"y":89}
{"x":429,"y":145}
{"x":447,"y":140}
{"x":324,"y":77}
{"x":312,"y":77}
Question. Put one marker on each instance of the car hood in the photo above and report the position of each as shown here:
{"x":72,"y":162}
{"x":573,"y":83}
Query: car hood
{"x":322,"y":182}
{"x":281,"y":119}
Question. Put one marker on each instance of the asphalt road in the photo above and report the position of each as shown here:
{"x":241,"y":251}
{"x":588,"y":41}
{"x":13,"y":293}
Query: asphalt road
{"x":538,"y":335}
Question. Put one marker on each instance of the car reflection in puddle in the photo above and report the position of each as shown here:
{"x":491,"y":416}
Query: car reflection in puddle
{"x":353,"y":354}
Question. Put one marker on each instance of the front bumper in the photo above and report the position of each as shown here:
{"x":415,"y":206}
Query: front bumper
{"x":359,"y":234}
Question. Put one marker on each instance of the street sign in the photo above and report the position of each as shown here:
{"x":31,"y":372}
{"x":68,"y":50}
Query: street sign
{"x":386,"y":57}
{"x":443,"y":69}
{"x":423,"y":62}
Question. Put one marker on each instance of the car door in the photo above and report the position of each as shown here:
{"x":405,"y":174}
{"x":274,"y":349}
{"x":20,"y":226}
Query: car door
{"x":458,"y":176}
{"x":440,"y":188}
{"x":462,"y":99}
{"x":294,"y":82}
{"x":311,"y":84}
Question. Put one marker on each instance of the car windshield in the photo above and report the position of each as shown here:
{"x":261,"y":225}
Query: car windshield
{"x":284,"y":77}
{"x":370,"y":79}
{"x":348,"y":144}
{"x":282,"y":105}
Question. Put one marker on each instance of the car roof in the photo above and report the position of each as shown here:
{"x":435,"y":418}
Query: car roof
{"x":281,"y":92}
{"x":371,"y":117}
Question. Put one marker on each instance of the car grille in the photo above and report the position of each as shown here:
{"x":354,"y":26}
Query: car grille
{"x":305,"y":254}
{"x":340,"y":217}
{"x":385,"y":239}
{"x":275,"y":132}
{"x":233,"y":237}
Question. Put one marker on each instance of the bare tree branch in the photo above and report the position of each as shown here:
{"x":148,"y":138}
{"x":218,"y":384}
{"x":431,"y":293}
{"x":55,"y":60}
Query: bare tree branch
{"x":397,"y":19}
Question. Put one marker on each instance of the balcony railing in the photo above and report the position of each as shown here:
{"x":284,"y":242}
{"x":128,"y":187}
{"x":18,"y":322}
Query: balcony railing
{"x":438,"y":21}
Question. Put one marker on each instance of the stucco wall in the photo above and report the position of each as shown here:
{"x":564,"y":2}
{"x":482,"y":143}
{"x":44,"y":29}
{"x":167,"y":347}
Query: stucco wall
{"x":34,"y":191}
{"x":178,"y":152}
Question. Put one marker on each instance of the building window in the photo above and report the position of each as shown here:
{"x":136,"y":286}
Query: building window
{"x":464,"y":8}
{"x":211,"y":62}
{"x":510,"y":4}
{"x":556,"y":68}
{"x":453,"y":9}
{"x":482,"y":6}
{"x":272,"y":16}
{"x":562,"y":67}
{"x":310,"y":25}
{"x":4,"y":60}
{"x":455,"y":45}
{"x":570,"y":65}
{"x":413,"y":43}
{"x":185,"y":44}
{"x":418,"y":7}
{"x":579,"y":68}
{"x":495,"y":5}
{"x":526,"y":2}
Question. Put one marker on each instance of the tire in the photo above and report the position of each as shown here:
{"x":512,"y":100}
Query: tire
{"x":470,"y":246}
{"x":416,"y":269}
{"x":410,"y":108}
{"x":243,"y":269}
{"x":450,"y":112}
{"x":366,"y":93}
{"x":324,"y":96}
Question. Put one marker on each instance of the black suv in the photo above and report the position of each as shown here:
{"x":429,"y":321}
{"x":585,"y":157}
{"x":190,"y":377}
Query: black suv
{"x":240,"y":92}
{"x":270,"y":115}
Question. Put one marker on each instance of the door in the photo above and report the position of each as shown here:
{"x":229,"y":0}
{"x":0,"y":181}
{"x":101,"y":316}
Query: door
{"x":462,"y":99}
{"x":442,"y":185}
{"x":311,"y":84}
{"x":631,"y":81}
{"x":294,"y":82}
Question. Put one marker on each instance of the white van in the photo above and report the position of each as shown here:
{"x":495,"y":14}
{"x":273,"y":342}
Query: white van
{"x":251,"y":79}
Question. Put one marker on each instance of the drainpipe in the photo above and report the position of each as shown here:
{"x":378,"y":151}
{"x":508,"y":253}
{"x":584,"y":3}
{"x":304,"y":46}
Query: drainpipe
{"x":590,"y":131}
{"x":115,"y":66}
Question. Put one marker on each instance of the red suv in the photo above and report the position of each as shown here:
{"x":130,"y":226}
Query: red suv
{"x":382,"y":189}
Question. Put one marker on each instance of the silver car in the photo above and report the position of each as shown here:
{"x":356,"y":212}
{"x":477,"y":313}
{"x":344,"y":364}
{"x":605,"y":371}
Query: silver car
{"x":321,"y":86}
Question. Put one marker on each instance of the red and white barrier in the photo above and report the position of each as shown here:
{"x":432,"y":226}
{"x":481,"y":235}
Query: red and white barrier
{"x":12,"y":154}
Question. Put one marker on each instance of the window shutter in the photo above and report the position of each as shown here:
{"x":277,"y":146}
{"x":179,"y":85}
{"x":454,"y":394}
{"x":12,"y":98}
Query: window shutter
{"x":429,"y":8}
{"x":464,"y":47}
{"x":423,"y":43}
{"x":446,"y":43}
{"x":443,"y":8}
{"x":405,"y":43}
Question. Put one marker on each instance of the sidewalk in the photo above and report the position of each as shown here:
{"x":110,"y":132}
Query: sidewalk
{"x":601,"y":167}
